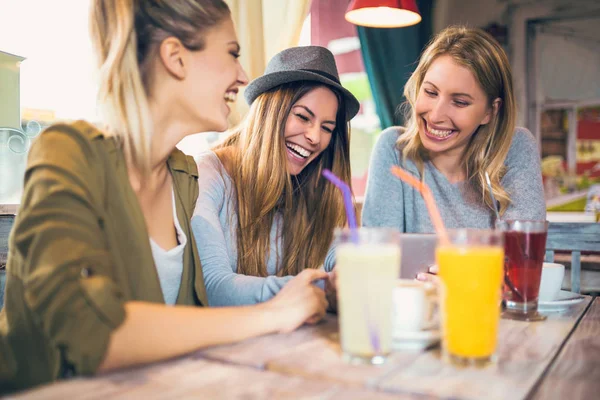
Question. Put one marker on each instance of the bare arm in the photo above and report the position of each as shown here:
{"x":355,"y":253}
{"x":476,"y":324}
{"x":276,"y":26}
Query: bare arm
{"x":153,"y":332}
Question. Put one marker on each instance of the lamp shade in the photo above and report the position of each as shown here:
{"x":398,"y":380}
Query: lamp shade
{"x":383,"y":13}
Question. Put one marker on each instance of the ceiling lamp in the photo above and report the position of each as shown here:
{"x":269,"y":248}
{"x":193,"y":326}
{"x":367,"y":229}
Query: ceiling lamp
{"x":383,"y":13}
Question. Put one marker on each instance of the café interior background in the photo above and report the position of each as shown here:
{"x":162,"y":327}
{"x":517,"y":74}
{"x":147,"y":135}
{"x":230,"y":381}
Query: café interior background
{"x":47,"y":74}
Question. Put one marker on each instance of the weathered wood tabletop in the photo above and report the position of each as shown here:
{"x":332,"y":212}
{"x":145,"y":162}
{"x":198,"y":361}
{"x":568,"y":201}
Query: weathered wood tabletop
{"x":557,"y":358}
{"x":576,"y":372}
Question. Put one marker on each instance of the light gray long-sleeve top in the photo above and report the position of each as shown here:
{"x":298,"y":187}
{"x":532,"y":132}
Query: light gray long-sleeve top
{"x":390,"y":202}
{"x":214,"y":224}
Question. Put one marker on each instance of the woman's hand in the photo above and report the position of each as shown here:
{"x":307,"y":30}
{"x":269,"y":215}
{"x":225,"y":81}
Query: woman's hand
{"x":430,"y":275}
{"x":331,"y":290}
{"x":299,"y":301}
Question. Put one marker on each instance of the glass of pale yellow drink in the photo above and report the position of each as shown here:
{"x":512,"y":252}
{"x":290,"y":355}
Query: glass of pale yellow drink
{"x":471,"y":270}
{"x":367,"y":267}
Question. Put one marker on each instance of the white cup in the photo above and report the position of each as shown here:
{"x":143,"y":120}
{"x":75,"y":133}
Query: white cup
{"x":552,"y":278}
{"x":415,"y":306}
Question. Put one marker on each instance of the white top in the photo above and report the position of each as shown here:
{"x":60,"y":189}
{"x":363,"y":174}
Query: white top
{"x":169,"y":263}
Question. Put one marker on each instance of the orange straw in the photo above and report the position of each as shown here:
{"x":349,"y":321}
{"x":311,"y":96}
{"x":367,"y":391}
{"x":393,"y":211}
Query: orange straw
{"x":422,"y":188}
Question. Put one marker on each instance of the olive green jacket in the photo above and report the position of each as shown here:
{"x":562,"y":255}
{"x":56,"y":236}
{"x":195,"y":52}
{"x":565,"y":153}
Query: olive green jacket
{"x":79,"y":250}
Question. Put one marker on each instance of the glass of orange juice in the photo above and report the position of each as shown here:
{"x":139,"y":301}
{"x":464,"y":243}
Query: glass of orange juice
{"x":471,"y":269}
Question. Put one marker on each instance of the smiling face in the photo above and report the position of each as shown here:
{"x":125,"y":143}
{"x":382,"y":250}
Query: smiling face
{"x":215,"y":76}
{"x":309,"y":127}
{"x":450,"y":106}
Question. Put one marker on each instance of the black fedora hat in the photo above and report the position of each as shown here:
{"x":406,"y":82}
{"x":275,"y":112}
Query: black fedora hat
{"x":303,"y":63}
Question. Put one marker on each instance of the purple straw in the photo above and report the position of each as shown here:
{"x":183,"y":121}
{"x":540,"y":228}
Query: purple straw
{"x":347,"y":195}
{"x":373,"y":331}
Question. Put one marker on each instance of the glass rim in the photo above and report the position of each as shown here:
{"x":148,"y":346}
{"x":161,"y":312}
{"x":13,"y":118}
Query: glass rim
{"x":367,"y":234}
{"x":472,"y":237}
{"x":523,"y":225}
{"x":524,"y":220}
{"x":470,"y":230}
{"x":366,"y":228}
{"x":365,"y":231}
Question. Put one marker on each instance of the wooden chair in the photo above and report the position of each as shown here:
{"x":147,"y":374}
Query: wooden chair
{"x":574,"y":238}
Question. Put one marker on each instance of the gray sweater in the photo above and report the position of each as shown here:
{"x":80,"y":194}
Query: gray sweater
{"x":390,"y":202}
{"x":214,"y":224}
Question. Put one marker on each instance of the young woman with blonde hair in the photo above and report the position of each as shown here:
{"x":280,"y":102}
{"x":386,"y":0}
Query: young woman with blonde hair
{"x":460,"y":126}
{"x":102,"y":239}
{"x":265,"y":213}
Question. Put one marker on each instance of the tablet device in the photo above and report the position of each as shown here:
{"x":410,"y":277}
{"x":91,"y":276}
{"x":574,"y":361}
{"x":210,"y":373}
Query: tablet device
{"x":417,"y":253}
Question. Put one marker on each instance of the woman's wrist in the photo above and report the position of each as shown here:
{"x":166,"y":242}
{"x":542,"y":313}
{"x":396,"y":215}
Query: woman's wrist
{"x":269,"y":317}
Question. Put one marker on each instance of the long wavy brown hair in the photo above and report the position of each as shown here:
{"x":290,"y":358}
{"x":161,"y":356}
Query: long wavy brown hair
{"x":311,"y":208}
{"x":484,"y":57}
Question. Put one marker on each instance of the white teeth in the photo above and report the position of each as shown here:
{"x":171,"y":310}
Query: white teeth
{"x":439,"y":133}
{"x":300,"y":150}
{"x":230,"y":97}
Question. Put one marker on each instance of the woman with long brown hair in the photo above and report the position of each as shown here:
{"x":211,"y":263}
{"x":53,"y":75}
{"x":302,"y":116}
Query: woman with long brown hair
{"x":265,"y":213}
{"x":103,"y":271}
{"x":461,"y":116}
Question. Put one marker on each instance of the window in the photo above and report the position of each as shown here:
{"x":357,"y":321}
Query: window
{"x":330,"y":29}
{"x":54,"y":81}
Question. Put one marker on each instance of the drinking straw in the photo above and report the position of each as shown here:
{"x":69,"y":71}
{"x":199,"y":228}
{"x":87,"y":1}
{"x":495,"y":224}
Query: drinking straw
{"x":347,"y":195}
{"x":373,"y":329}
{"x":434,"y":213}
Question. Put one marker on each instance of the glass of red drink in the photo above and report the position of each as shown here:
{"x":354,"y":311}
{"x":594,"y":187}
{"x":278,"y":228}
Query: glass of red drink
{"x":524,"y":250}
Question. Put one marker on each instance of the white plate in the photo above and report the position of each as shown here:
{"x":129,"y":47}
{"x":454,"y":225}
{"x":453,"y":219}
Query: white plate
{"x":419,"y":340}
{"x":564,"y":300}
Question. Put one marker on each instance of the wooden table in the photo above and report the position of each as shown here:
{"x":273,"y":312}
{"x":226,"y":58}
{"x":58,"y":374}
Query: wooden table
{"x":558,"y":358}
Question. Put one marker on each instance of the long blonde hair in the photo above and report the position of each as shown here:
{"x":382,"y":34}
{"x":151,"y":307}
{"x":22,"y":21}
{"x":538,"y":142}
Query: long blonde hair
{"x":126,"y":35}
{"x":310,"y":207}
{"x":487,"y":150}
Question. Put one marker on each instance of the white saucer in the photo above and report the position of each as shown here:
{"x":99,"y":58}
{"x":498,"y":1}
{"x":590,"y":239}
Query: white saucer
{"x":564,"y":300}
{"x":415,"y":340}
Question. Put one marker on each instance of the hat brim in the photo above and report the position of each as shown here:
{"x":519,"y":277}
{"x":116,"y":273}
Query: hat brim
{"x":272,"y":80}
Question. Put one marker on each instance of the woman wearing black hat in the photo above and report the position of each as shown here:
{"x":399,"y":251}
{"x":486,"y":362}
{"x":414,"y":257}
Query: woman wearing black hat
{"x":264,"y":212}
